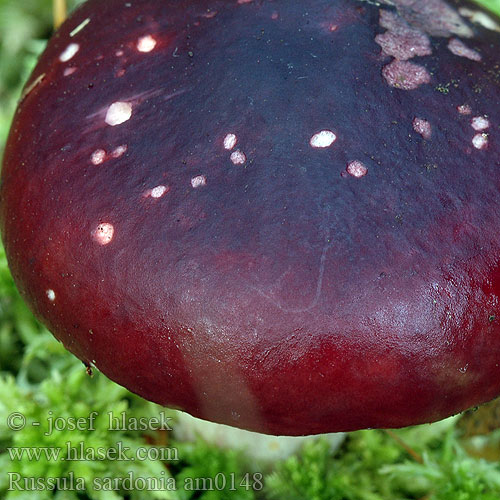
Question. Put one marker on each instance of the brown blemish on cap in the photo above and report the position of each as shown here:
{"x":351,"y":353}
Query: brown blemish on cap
{"x":459,"y":48}
{"x":422,"y":127}
{"x":401,"y":40}
{"x":434,"y":17}
{"x":405,"y":75}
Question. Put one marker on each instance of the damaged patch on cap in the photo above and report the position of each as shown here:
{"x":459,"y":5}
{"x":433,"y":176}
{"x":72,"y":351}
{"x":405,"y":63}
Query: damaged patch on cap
{"x":356,"y":169}
{"x":238,"y":157}
{"x":230,"y":141}
{"x":464,"y":109}
{"x":434,"y":17}
{"x":119,"y":151}
{"x":401,"y":40}
{"x":422,"y":127}
{"x":103,"y":234}
{"x":198,"y":181}
{"x":480,"y":123}
{"x":98,"y":156}
{"x":405,"y":75}
{"x":480,"y":141}
{"x":459,"y":48}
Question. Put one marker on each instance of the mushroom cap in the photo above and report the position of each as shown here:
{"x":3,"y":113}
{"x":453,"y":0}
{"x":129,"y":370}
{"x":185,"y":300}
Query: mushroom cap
{"x":278,"y":215}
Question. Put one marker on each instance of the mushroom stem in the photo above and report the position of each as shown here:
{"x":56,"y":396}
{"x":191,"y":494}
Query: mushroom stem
{"x":259,"y":449}
{"x":59,"y":12}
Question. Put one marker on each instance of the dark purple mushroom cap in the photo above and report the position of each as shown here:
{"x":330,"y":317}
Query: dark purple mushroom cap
{"x":279,"y":215}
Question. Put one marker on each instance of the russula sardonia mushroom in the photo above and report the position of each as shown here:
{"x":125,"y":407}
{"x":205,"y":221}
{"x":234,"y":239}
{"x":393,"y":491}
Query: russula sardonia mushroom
{"x":279,"y":215}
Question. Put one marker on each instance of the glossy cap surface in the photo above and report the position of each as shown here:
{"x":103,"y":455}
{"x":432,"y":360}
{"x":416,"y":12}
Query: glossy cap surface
{"x":279,"y":215}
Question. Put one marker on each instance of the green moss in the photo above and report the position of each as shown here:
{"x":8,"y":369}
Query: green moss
{"x":493,"y":5}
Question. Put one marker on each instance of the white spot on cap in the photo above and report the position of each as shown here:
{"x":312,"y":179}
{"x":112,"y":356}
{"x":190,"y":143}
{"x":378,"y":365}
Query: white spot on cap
{"x":480,"y":141}
{"x":51,"y":295}
{"x":480,"y":123}
{"x":459,"y":48}
{"x":422,"y":127}
{"x":118,"y":113}
{"x":199,"y":181}
{"x":230,"y":141}
{"x":159,"y":191}
{"x":98,"y":156}
{"x":209,"y":14}
{"x":357,"y":169}
{"x":103,"y":234}
{"x":238,"y":157}
{"x":323,"y":139}
{"x":464,"y":109}
{"x":328,"y":26}
{"x":69,"y":71}
{"x":119,"y":151}
{"x":146,"y":44}
{"x":69,"y":52}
